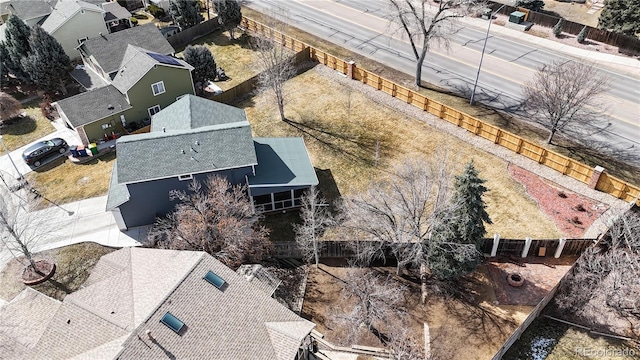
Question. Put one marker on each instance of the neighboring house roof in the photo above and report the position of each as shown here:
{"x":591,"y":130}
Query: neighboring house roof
{"x":31,"y":9}
{"x":192,"y":112}
{"x":260,"y":277}
{"x":241,"y":321}
{"x":88,"y":78}
{"x":213,"y":136}
{"x":126,"y":294}
{"x":93,"y":105}
{"x":109,"y":49}
{"x":65,"y":10}
{"x":114,"y":11}
{"x":137,"y":62}
{"x":282,"y":161}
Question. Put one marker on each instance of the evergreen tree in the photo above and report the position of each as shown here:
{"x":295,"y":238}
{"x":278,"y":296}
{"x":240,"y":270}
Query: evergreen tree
{"x":469,"y":209}
{"x":17,"y":46}
{"x":621,"y":16}
{"x":582,"y":36}
{"x":533,"y":5}
{"x":186,"y":13}
{"x":201,"y":59}
{"x":4,"y":55}
{"x":229,"y":15}
{"x":47,"y":64}
{"x":557,"y":29}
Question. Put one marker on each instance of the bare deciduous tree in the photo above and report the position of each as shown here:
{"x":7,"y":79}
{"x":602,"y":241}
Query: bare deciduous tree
{"x":218,"y":219}
{"x":275,"y":63}
{"x":9,"y":106}
{"x":22,"y":228}
{"x":605,"y":278}
{"x":409,"y":211}
{"x":564,"y":97}
{"x":377,"y":301}
{"x":315,"y":219}
{"x":423,"y":21}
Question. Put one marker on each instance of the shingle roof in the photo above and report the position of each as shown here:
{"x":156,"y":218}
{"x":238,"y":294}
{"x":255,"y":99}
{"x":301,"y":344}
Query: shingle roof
{"x":192,"y":112}
{"x":190,"y":144}
{"x":118,"y":193}
{"x":241,"y":322}
{"x":63,"y":10}
{"x":29,"y":9}
{"x":109,"y":49}
{"x":135,"y":64}
{"x":282,"y":161}
{"x":114,"y":11}
{"x":93,"y":105}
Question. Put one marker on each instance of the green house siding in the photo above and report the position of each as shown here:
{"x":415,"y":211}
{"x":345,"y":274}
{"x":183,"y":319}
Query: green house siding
{"x":176,"y":81}
{"x":95,"y":131}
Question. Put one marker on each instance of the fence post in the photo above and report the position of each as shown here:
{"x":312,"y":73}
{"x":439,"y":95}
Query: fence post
{"x":597,"y":172}
{"x":527,"y":245}
{"x":560,"y":247}
{"x":350,"y":66}
{"x":496,"y":241}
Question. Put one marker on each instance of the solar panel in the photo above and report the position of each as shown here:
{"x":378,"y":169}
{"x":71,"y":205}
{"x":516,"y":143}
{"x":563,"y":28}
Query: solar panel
{"x":214,"y":279}
{"x":164,"y":59}
{"x":172,"y":322}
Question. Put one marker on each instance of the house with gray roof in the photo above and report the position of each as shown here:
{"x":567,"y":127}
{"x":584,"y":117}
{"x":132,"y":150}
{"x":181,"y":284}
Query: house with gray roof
{"x":72,"y":22}
{"x":149,"y":304}
{"x":130,"y":76}
{"x":195,"y":138}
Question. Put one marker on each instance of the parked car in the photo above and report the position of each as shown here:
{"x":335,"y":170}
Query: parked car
{"x":35,"y":153}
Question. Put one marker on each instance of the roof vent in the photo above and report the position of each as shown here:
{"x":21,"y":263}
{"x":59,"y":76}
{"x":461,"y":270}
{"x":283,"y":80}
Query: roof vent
{"x":164,"y":129}
{"x":192,"y":158}
{"x":197,"y":142}
{"x":110,"y":107}
{"x":192,"y":150}
{"x":148,"y":332}
{"x":102,"y":36}
{"x":182,"y":151}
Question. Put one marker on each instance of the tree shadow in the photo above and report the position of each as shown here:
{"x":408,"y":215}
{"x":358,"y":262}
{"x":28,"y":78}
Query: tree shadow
{"x":21,"y":126}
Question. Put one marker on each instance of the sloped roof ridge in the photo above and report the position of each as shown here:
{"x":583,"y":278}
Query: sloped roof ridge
{"x":290,"y":329}
{"x":186,"y":274}
{"x":285,"y":336}
{"x":171,"y":133}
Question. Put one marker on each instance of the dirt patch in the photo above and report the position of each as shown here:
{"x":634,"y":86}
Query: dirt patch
{"x":572,"y":213}
{"x":540,"y":276}
{"x":466,"y":328}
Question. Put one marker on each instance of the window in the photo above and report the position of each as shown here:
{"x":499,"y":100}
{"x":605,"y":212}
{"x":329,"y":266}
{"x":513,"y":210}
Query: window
{"x":158,"y":88}
{"x":185,"y":177}
{"x":154,"y":110}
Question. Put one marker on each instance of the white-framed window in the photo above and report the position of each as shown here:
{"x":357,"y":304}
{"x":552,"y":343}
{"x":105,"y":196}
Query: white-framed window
{"x":153,"y":110}
{"x":185,"y":177}
{"x":158,"y":88}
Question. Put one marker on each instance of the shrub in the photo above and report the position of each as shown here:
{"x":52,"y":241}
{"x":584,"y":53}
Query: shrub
{"x":557,"y":29}
{"x":582,"y":36}
{"x":48,"y":111}
{"x":134,"y":21}
{"x":156,"y":11}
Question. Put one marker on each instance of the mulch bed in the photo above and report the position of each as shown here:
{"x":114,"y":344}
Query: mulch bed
{"x":572,"y":213}
{"x":45,"y":270}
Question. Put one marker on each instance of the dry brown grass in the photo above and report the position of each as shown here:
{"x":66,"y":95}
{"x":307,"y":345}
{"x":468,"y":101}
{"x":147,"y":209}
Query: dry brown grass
{"x":73,"y":266}
{"x":235,"y":56}
{"x":344,"y":142}
{"x":67,"y":182}
{"x":28,"y":129}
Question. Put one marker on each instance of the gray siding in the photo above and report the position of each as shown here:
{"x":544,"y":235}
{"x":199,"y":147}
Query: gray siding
{"x":151,"y":199}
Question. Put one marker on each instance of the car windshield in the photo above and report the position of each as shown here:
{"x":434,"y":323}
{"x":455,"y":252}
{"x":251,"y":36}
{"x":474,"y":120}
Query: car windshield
{"x":49,"y":143}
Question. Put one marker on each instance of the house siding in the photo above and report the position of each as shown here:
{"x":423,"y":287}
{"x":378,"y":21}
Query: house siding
{"x":90,"y":25}
{"x":148,"y":200}
{"x":177,"y":81}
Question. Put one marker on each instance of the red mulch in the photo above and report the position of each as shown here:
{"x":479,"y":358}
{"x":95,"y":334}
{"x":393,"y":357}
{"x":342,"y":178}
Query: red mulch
{"x":45,"y":268}
{"x":572,"y":213}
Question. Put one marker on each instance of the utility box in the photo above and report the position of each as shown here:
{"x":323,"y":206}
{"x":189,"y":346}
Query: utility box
{"x":486,"y":13}
{"x":516,"y":17}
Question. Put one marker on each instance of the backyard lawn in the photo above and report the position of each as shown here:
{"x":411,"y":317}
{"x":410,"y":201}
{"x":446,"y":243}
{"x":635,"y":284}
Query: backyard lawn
{"x":28,"y":129}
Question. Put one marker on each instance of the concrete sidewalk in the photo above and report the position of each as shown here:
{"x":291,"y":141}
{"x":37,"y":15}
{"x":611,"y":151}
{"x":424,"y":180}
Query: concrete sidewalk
{"x":82,"y":221}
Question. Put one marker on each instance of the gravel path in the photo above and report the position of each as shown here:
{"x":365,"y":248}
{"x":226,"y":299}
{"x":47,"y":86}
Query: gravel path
{"x":614,"y":205}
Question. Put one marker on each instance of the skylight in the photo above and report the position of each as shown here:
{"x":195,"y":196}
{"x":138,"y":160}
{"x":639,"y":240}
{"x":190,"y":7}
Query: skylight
{"x":214,"y":279}
{"x":172,"y":322}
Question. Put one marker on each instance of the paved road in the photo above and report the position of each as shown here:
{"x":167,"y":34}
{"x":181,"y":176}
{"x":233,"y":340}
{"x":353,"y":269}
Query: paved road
{"x":362,"y":26}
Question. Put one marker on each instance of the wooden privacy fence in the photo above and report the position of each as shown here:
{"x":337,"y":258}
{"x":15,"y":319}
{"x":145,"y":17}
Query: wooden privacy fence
{"x":184,"y":37}
{"x":625,"y":43}
{"x":563,"y":164}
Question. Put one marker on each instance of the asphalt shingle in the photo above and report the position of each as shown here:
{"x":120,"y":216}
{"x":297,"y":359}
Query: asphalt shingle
{"x":93,"y":105}
{"x":64,"y":10}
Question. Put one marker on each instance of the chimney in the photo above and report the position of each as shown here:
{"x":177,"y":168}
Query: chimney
{"x":164,"y":129}
{"x":148,"y":332}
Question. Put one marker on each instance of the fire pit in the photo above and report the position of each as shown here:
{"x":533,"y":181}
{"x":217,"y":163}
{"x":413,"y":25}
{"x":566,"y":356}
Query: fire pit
{"x":515,"y":280}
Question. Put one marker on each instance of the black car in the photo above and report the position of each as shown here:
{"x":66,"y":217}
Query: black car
{"x":34,"y":154}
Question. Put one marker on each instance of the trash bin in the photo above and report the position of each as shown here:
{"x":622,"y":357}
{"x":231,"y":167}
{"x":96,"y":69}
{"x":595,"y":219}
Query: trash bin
{"x":74,"y":150}
{"x":82,"y":152}
{"x":486,"y":13}
{"x":516,"y":17}
{"x":94,"y":148}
